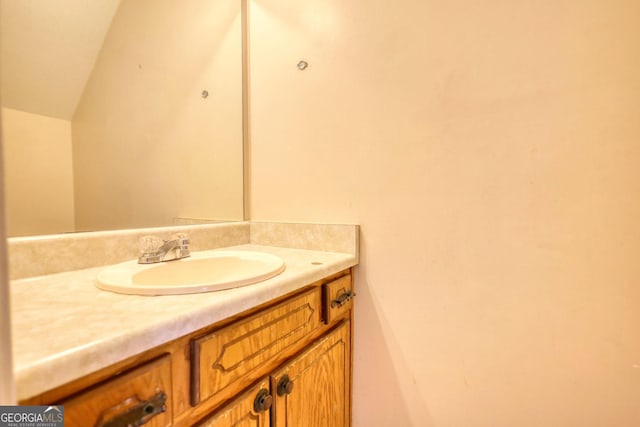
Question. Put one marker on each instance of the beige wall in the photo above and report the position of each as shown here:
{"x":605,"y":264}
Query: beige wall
{"x":490,"y":151}
{"x":7,"y":386}
{"x":147,"y":147}
{"x":48,"y":49}
{"x":38,"y":175}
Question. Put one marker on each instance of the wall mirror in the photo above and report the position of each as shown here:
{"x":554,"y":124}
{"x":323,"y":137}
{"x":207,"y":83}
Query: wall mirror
{"x":121,"y":113}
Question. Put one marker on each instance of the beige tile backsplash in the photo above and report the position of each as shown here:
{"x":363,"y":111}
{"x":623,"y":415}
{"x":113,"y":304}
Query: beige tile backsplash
{"x":40,"y":255}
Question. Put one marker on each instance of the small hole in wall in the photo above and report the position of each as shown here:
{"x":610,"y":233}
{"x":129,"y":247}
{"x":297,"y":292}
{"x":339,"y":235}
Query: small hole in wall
{"x":316,"y":263}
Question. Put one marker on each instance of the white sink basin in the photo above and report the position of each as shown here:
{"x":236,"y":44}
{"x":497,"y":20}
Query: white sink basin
{"x":203,"y":271}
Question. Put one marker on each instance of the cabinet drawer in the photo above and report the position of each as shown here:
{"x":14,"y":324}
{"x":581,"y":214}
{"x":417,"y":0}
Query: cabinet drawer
{"x":338,"y":295}
{"x":140,"y":394}
{"x":232,"y":353}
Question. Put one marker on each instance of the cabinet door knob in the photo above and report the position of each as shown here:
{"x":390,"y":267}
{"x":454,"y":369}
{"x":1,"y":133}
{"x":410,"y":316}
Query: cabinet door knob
{"x":263,"y":401}
{"x":285,"y":386}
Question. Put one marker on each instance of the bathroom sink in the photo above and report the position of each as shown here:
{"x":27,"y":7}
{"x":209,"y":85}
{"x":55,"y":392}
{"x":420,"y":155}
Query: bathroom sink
{"x":203,"y":271}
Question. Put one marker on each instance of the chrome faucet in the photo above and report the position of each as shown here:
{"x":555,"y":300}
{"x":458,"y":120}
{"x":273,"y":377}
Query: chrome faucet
{"x":154,"y":249}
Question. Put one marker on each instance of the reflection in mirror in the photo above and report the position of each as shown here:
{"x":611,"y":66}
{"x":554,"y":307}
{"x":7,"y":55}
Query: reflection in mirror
{"x":121,"y":113}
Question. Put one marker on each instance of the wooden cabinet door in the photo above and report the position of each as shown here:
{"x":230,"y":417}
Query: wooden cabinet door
{"x":244,"y":411}
{"x":313,"y":389}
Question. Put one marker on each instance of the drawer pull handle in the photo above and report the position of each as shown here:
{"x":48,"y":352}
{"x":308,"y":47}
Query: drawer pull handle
{"x":139,"y":414}
{"x":285,"y":386}
{"x":263,"y":401}
{"x":343,"y":299}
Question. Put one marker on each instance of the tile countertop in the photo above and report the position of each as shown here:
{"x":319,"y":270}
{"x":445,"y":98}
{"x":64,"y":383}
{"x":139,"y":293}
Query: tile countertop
{"x":64,"y":327}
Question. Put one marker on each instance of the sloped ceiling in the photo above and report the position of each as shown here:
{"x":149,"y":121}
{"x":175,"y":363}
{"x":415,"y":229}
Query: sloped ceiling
{"x":47,"y":51}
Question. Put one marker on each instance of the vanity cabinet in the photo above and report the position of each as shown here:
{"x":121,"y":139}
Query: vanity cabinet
{"x":283,"y":364}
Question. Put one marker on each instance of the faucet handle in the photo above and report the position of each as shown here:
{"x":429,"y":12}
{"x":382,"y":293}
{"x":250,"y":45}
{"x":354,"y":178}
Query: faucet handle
{"x":184,"y":239}
{"x":149,"y":244}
